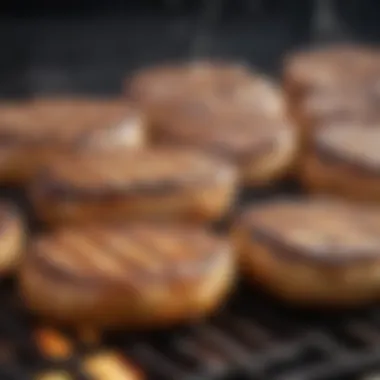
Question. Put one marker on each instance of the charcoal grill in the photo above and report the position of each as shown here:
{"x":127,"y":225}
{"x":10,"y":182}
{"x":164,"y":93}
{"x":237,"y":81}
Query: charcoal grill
{"x":89,"y":50}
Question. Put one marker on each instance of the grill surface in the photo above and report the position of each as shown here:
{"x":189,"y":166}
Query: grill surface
{"x":254,"y":337}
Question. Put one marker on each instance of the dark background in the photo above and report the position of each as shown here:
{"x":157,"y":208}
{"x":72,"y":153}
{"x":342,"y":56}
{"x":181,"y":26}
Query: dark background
{"x":88,"y":46}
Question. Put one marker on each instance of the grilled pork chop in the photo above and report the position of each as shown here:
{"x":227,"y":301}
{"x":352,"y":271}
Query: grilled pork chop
{"x":30,"y":131}
{"x":344,"y":160}
{"x":137,"y":275}
{"x":159,"y":86}
{"x":312,"y":251}
{"x":149,"y":183}
{"x":328,"y":69}
{"x":332,"y":84}
{"x":222,"y":110}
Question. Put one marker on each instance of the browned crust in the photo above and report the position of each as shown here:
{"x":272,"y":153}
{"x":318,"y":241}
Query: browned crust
{"x":130,"y":301}
{"x":250,"y":223}
{"x":195,"y":205}
{"x":56,"y":190}
{"x":340,"y":177}
{"x":307,"y":283}
{"x":326,"y":85}
{"x":245,"y":127}
{"x":260,"y":163}
{"x":207,"y":191}
{"x":282,"y":214}
{"x":26,"y":114}
{"x":285,"y":251}
{"x":201,"y":263}
{"x":47,"y":186}
{"x":302,"y":275}
{"x":330,"y":169}
{"x":183,"y":76}
{"x":34,"y":131}
{"x":344,"y":66}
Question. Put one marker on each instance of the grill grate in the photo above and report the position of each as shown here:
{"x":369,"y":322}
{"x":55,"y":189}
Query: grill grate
{"x":252,"y":338}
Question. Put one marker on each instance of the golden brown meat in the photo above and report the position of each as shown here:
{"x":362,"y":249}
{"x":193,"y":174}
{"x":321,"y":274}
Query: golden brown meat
{"x":159,"y":86}
{"x":263,"y":149}
{"x":312,"y":252}
{"x":137,"y":275}
{"x":344,"y":160}
{"x":338,"y":83}
{"x":229,"y":112}
{"x":149,"y":183}
{"x":328,"y":69}
{"x":30,"y":131}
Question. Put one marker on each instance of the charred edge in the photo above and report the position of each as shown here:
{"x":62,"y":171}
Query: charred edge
{"x":285,"y":251}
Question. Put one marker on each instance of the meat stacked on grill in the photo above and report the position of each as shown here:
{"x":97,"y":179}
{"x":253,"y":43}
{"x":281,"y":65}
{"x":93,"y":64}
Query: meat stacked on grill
{"x":128,"y":191}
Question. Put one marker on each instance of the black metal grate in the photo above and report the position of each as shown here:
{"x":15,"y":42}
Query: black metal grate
{"x":252,"y":338}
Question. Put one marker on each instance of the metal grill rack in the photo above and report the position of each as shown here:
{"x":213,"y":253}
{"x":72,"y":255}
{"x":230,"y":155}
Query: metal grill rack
{"x":252,"y":338}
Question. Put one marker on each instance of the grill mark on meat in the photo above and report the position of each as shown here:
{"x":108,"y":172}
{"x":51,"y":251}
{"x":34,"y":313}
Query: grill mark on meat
{"x":43,"y":248}
{"x":107,"y":261}
{"x":125,"y":254}
{"x":163,"y":246}
{"x":66,"y":252}
{"x":169,"y":244}
{"x":125,"y":250}
{"x":91,"y":257}
{"x":147,"y":245}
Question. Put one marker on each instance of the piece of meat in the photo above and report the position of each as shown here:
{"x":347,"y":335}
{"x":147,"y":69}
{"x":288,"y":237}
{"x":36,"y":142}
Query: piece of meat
{"x":149,"y":183}
{"x":31,"y":131}
{"x":224,"y":110}
{"x":344,"y":160}
{"x":134,"y":276}
{"x":312,"y":252}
